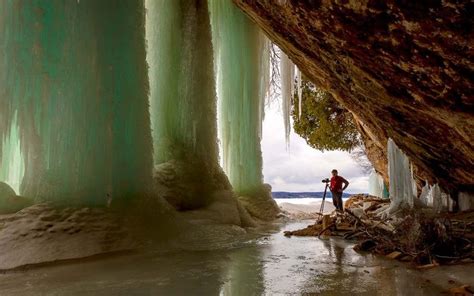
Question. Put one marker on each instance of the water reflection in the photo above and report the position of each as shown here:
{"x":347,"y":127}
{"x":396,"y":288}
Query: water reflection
{"x":244,"y":277}
{"x":265,"y":265}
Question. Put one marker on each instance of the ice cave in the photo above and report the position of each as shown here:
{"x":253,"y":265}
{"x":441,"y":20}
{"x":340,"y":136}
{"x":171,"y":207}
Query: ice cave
{"x":134,"y":147}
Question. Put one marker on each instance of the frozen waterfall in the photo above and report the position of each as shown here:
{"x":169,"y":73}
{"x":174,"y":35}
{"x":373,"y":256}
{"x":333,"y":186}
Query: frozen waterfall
{"x":241,"y":54}
{"x":401,"y":185}
{"x":182,"y":85}
{"x":74,"y":95}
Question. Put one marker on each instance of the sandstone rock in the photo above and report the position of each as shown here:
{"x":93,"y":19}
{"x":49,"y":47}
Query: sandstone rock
{"x":404,"y":68}
{"x":375,"y":149}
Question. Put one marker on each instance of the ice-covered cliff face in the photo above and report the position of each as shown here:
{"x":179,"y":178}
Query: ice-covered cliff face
{"x":404,"y":68}
{"x":74,"y":122}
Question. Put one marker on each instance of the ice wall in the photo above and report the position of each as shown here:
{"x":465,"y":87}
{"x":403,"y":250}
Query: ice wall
{"x":182,"y":85}
{"x":242,"y":68}
{"x":73,"y":85}
{"x":401,"y":187}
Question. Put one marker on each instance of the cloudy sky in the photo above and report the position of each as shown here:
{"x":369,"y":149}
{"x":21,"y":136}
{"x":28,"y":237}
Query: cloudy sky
{"x":302,"y":168}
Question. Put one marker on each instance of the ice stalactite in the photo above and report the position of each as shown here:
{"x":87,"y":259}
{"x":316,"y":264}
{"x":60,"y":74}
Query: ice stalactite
{"x":401,"y":178}
{"x":287,"y":71}
{"x":299,"y":91}
{"x":413,"y":182}
{"x":466,"y":201}
{"x":436,"y":198}
{"x":376,"y":185}
{"x":242,"y":69}
{"x":424,"y":195}
{"x":74,"y":87}
{"x":182,"y":85}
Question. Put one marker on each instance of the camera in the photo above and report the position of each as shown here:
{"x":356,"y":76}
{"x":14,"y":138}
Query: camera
{"x":325,"y":180}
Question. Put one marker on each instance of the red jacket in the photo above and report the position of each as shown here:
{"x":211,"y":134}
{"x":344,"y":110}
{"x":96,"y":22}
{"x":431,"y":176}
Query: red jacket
{"x":336,"y":183}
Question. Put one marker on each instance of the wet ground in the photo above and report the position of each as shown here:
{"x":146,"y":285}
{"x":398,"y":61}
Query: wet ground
{"x":260,"y":264}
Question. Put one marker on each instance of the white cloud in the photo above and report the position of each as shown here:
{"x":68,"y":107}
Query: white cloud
{"x":302,"y":168}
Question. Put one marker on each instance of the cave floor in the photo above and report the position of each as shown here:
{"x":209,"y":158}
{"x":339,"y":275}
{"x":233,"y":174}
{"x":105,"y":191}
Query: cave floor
{"x":263,"y":263}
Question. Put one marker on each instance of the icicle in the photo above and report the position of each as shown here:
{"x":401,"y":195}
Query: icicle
{"x":241,"y":54}
{"x":182,"y":85}
{"x":436,"y":198}
{"x":75,"y":80}
{"x":466,"y":201}
{"x":401,"y":181}
{"x":376,"y":185}
{"x":424,"y":195}
{"x":287,"y":70}
{"x":413,"y":183}
{"x":299,"y":91}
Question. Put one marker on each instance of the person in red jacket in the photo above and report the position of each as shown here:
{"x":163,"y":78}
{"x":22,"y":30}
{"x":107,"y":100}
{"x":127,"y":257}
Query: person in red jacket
{"x":337,"y":189}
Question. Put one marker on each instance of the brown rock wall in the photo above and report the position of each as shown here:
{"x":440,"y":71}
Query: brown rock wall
{"x":404,"y":68}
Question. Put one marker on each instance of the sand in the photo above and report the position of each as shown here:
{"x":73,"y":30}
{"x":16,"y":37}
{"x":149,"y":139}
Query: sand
{"x":309,"y":210}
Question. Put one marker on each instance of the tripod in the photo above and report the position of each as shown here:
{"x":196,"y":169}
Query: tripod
{"x":321,"y":210}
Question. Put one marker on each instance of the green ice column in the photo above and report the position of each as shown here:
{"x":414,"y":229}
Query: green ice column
{"x":241,"y":63}
{"x":12,"y":163}
{"x":74,"y":86}
{"x":182,"y":85}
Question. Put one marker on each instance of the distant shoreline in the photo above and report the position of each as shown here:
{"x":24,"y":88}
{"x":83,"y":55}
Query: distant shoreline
{"x":283,"y":194}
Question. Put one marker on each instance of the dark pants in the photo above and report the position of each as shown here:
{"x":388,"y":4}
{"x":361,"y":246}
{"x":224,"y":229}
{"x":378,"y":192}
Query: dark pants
{"x":337,"y":200}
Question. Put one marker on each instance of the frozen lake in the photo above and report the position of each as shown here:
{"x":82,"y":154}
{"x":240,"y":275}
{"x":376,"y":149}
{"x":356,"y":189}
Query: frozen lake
{"x":261,"y":263}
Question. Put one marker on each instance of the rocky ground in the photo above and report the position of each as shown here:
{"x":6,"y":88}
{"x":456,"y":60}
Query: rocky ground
{"x":421,"y":237}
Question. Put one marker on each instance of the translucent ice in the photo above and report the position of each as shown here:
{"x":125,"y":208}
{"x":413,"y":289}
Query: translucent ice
{"x":241,"y":54}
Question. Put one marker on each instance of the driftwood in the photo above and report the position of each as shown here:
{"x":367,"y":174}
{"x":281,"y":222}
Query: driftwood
{"x":420,"y":237}
{"x":326,"y":229}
